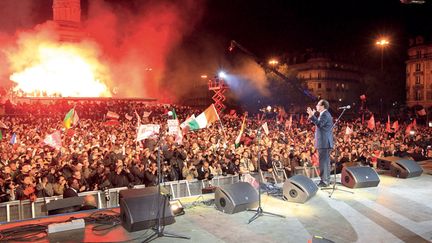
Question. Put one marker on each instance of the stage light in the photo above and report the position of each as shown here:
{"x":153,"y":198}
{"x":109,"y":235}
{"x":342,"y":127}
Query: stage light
{"x":222,"y":74}
{"x":412,"y":132}
{"x":177,"y":207}
{"x":430,"y":124}
{"x":203,"y":76}
{"x":269,"y":108}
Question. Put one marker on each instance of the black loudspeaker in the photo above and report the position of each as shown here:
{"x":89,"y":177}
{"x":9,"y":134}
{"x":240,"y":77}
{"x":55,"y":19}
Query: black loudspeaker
{"x":404,"y":168}
{"x":139,"y":209}
{"x":236,"y":197}
{"x":299,"y":189}
{"x":65,"y":205}
{"x":359,"y":177}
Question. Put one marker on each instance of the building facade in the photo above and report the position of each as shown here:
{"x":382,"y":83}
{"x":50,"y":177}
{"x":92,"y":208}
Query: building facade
{"x":337,"y":82}
{"x":419,"y":73}
{"x":67,"y":16}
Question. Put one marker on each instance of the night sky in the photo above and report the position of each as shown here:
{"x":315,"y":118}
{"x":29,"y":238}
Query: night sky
{"x":267,"y":28}
{"x":276,"y":26}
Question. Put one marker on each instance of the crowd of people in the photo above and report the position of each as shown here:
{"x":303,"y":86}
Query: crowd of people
{"x":96,"y":155}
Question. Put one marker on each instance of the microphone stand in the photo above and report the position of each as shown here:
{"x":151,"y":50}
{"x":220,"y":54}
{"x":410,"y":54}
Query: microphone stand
{"x":159,"y":229}
{"x":259,"y":211}
{"x":333,"y":188}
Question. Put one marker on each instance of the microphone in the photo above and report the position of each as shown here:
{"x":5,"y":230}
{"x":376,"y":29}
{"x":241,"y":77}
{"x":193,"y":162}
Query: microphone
{"x":347,"y":107}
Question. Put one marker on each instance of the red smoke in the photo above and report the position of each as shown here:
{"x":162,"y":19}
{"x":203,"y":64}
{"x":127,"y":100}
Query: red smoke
{"x":137,"y":42}
{"x":134,"y":44}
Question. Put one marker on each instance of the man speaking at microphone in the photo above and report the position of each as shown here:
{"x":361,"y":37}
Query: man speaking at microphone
{"x":323,"y":138}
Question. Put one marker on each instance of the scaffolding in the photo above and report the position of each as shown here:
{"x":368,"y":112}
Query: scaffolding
{"x":219,"y":87}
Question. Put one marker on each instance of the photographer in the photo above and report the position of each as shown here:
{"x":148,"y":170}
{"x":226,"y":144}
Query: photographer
{"x":204,"y":172}
{"x":121,"y":177}
{"x":189,"y":171}
{"x":150,"y":175}
{"x":168,"y":173}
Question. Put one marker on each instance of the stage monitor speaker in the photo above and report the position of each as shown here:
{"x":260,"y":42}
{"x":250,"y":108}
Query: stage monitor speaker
{"x":139,"y":209}
{"x":404,"y":168}
{"x":65,"y":205}
{"x":236,"y":197}
{"x":299,"y":189}
{"x":359,"y":177}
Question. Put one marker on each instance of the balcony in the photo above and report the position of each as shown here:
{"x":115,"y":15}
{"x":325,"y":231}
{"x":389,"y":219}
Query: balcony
{"x":417,"y":57}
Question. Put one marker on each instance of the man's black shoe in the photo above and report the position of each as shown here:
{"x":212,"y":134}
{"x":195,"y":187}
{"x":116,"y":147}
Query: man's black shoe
{"x":322,"y":184}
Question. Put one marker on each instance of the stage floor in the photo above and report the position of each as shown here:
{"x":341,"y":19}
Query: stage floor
{"x":398,"y":210}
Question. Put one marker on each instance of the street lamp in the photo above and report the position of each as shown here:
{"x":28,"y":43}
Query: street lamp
{"x":382,"y":43}
{"x":273,"y":62}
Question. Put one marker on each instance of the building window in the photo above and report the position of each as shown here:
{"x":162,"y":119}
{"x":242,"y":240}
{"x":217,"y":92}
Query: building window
{"x":328,"y":89}
{"x":429,"y":95}
{"x":319,"y":85}
{"x":417,"y":67}
{"x":417,"y":81}
{"x":418,"y":54}
{"x":418,"y":95}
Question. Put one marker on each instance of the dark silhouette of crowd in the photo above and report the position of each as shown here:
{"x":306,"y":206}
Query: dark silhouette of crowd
{"x":96,"y":155}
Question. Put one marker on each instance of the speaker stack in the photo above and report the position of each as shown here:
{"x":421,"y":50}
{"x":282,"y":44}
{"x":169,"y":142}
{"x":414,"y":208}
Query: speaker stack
{"x":404,"y":168}
{"x":236,"y":197}
{"x":359,"y":177}
{"x":299,"y":189}
{"x":400,"y":167}
{"x":139,"y":209}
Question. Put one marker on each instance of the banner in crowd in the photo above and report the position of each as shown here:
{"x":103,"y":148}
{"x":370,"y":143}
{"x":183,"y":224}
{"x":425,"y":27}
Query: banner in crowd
{"x":112,"y":115}
{"x":147,"y":131}
{"x":53,"y":140}
{"x":204,"y":119}
{"x":173,"y":126}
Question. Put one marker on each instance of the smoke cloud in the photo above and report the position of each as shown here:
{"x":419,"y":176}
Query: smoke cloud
{"x":137,"y":42}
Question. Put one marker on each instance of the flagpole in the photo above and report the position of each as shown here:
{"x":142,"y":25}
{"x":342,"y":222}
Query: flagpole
{"x":220,"y":121}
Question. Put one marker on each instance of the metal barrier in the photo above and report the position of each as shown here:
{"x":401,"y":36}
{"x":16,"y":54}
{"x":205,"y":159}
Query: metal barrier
{"x":19,"y":210}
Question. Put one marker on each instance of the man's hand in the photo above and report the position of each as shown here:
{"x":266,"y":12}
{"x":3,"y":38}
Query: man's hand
{"x":310,"y":112}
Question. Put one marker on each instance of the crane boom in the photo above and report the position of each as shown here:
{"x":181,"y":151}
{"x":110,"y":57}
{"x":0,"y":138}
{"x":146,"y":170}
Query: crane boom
{"x":266,"y":67}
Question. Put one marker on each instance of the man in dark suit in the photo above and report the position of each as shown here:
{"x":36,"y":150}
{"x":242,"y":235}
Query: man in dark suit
{"x":323,"y":138}
{"x":72,"y":190}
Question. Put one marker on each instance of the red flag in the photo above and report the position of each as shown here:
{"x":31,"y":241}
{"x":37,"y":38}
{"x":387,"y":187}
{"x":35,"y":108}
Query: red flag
{"x":388,"y":126}
{"x":301,"y":119}
{"x":362,"y":118}
{"x":395,"y":125}
{"x":371,"y":123}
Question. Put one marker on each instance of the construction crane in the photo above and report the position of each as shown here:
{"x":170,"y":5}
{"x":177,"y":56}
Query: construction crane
{"x":271,"y":69}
